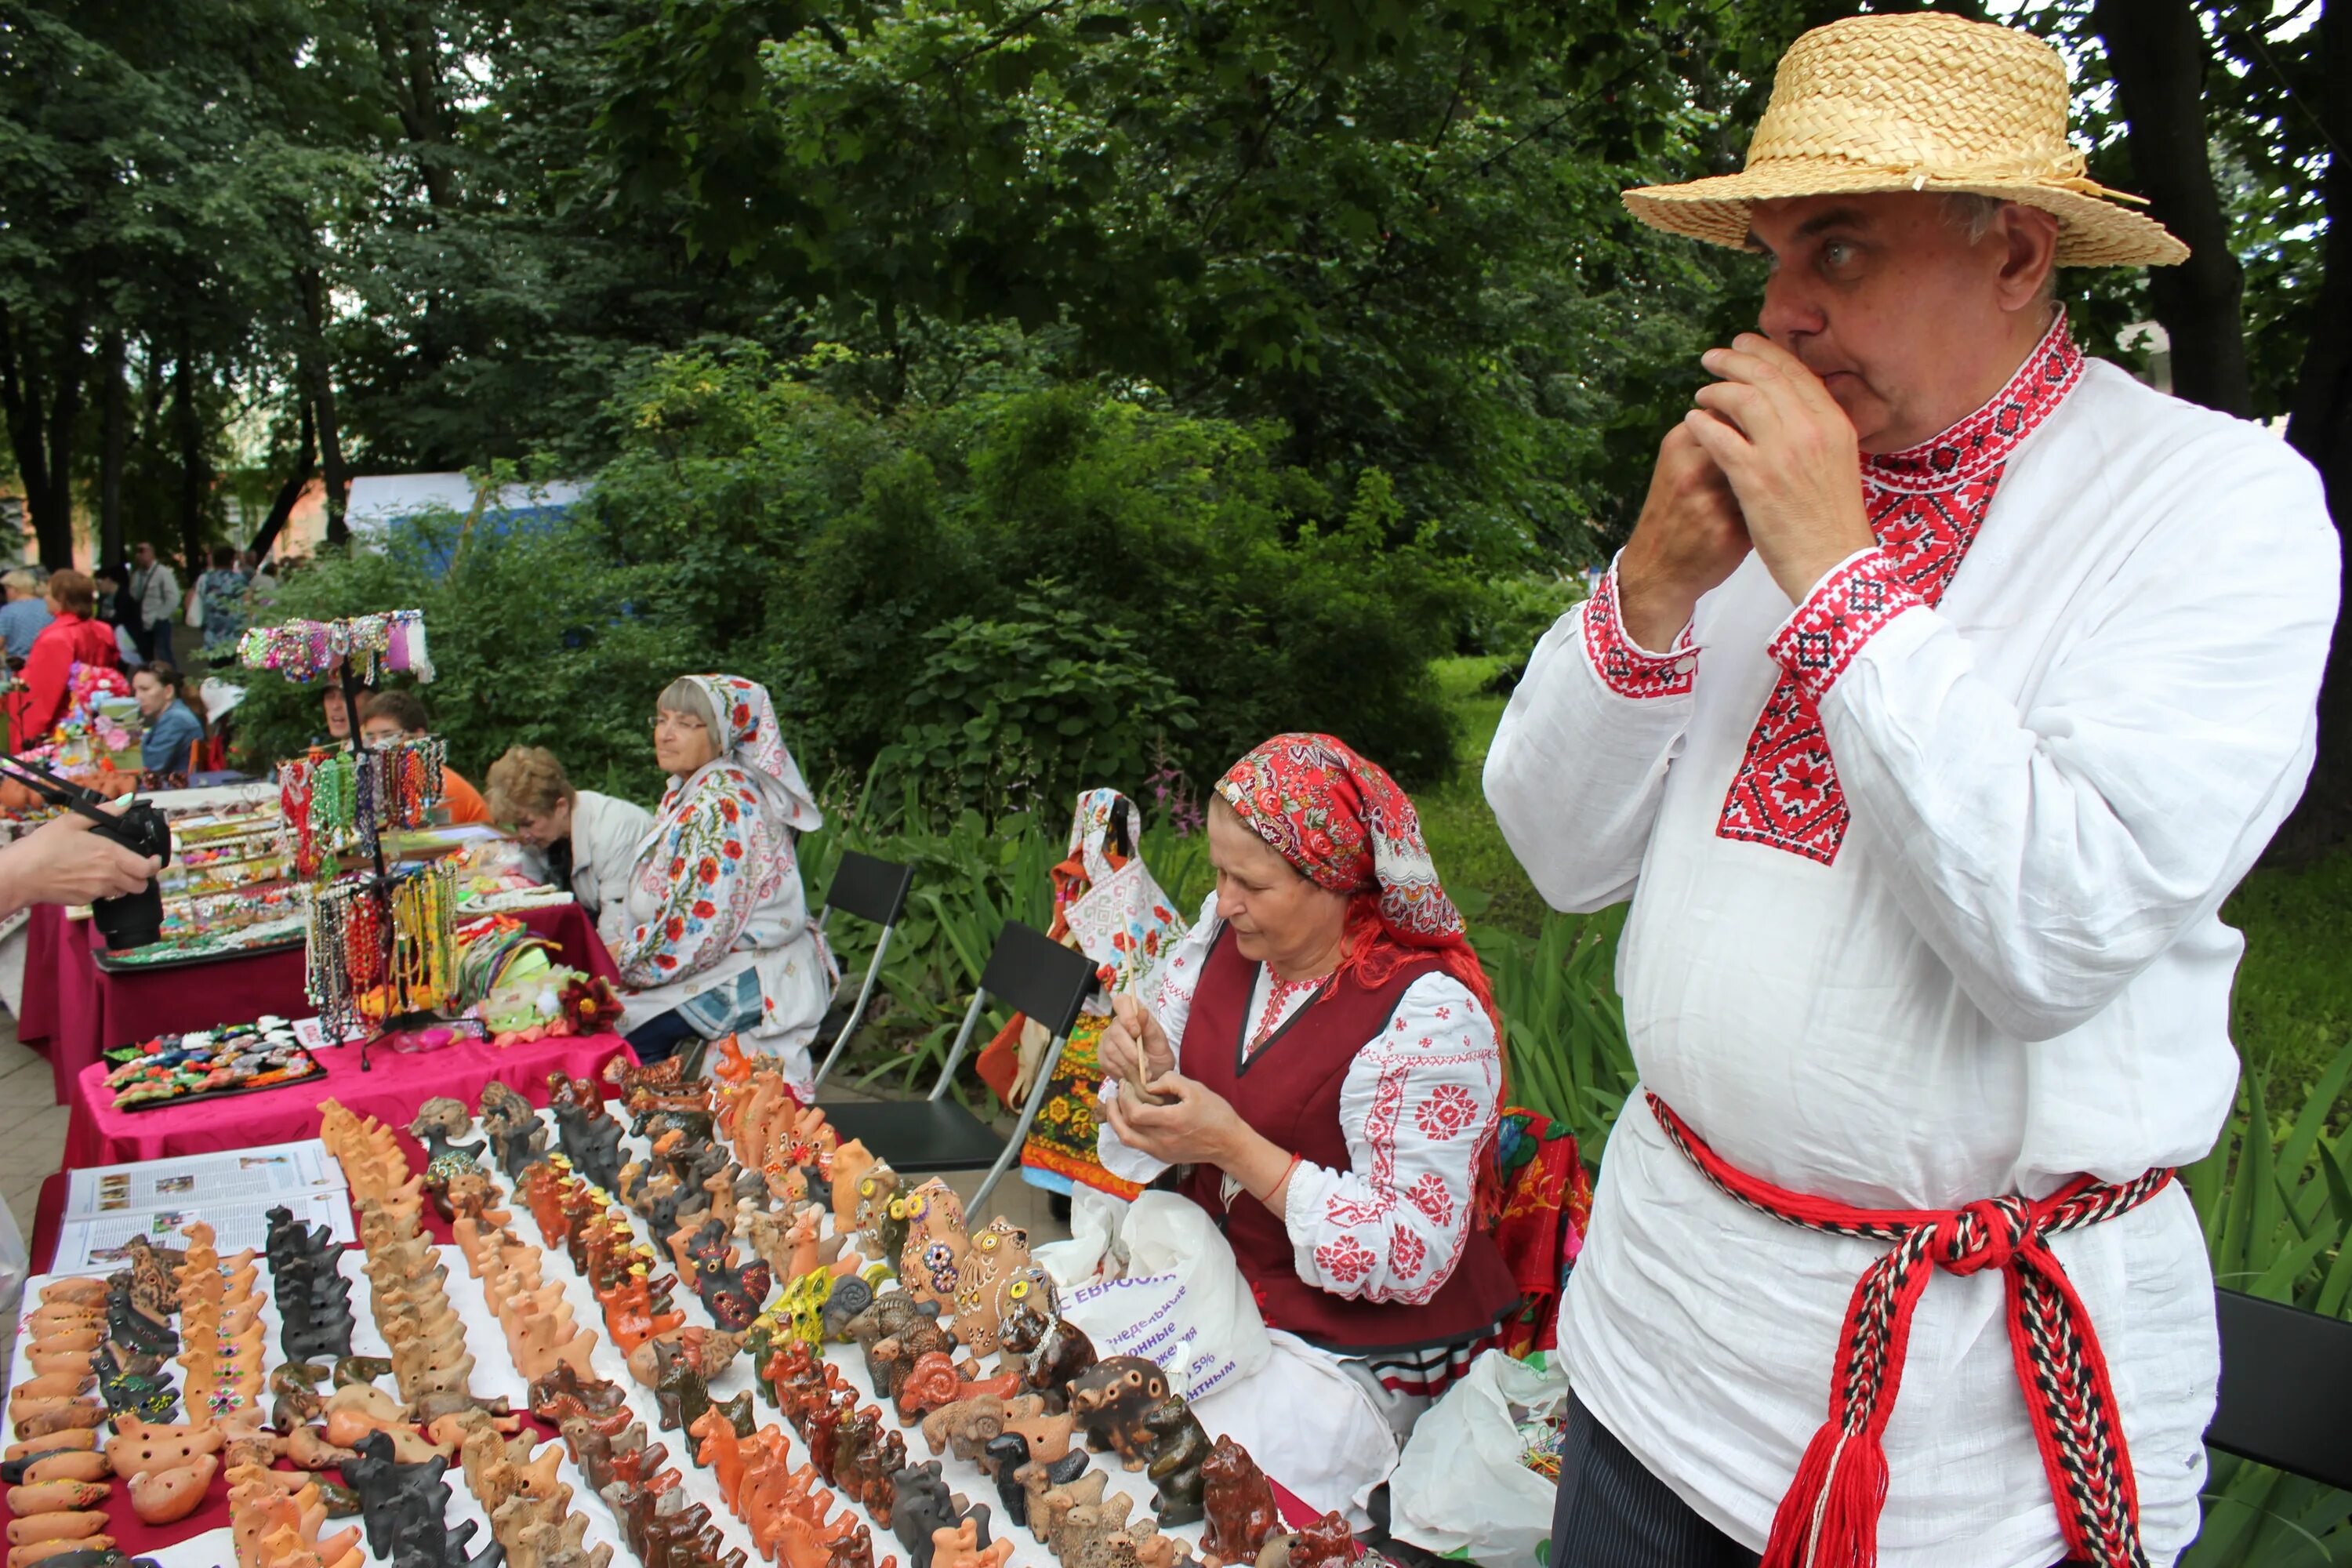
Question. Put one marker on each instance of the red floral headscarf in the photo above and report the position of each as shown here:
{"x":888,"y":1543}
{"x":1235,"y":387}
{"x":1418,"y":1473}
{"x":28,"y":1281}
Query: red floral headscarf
{"x":1345,"y":826}
{"x":1344,"y":823}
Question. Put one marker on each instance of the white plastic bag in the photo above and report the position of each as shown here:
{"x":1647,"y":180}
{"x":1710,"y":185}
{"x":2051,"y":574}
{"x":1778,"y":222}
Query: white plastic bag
{"x":1181,"y":1283}
{"x":1460,"y":1487}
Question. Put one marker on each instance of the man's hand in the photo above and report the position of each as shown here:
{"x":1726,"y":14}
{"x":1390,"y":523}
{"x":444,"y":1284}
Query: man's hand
{"x":62,"y":862}
{"x":1190,"y":1126}
{"x":1790,"y":455}
{"x":1689,"y":538}
{"x":1134,"y":1049}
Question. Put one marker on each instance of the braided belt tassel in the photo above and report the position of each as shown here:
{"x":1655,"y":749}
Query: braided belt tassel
{"x":1830,"y":1517}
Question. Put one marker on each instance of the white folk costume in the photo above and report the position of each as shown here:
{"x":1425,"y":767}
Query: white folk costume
{"x":719,"y":925}
{"x":1925,"y":879}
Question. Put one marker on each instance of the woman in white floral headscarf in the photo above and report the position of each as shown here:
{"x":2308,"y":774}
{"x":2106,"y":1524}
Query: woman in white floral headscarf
{"x":718,"y":939}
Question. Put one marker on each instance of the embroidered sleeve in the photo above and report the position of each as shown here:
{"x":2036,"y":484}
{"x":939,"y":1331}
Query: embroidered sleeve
{"x":1624,"y":666}
{"x":1168,"y":992}
{"x":1846,"y":609}
{"x":1167,"y":989}
{"x":719,"y":837}
{"x":1420,"y":1107}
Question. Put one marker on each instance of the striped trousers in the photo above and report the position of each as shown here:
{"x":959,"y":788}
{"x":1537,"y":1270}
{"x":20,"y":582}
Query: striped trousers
{"x":1613,"y":1513}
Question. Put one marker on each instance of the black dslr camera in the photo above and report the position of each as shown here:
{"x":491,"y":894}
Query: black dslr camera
{"x":130,"y":919}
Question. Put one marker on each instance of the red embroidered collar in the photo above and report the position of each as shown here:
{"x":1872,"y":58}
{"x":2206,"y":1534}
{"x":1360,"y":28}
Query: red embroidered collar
{"x":1989,"y":436}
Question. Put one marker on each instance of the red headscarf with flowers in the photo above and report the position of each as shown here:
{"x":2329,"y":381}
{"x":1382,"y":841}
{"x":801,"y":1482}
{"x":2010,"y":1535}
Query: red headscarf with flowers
{"x":1344,"y":823}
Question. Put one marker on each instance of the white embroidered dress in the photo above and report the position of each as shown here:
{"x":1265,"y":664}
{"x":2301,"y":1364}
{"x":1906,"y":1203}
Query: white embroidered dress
{"x":716,"y":921}
{"x":1925,"y":880}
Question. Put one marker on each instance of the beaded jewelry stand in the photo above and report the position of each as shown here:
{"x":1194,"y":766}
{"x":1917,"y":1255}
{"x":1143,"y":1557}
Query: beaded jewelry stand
{"x":366,"y":908}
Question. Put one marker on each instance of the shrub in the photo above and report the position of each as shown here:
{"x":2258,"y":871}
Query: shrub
{"x":815,"y":545}
{"x":1007,"y":712}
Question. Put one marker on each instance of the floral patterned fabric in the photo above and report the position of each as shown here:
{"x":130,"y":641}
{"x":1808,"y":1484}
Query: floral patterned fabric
{"x":1107,"y":905}
{"x":1342,"y":821}
{"x":716,"y":886}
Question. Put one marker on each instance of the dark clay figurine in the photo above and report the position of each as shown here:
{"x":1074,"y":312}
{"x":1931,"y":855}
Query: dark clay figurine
{"x":1111,"y":1397}
{"x":1055,"y":1350}
{"x":563,"y":1392}
{"x":1179,"y":1448}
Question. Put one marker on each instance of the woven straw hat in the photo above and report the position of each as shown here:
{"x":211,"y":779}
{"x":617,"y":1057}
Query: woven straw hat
{"x":1918,"y":102}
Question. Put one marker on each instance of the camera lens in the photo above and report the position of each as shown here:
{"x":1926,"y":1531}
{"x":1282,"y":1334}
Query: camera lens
{"x":133,"y":920}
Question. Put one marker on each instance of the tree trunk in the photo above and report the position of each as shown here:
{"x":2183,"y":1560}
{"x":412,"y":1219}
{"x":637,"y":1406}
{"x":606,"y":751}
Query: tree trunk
{"x":319,"y":382}
{"x":43,"y":405}
{"x":111,"y":547}
{"x":196,"y":477}
{"x":2320,"y":428}
{"x":2159,"y":58}
{"x":305,"y":463}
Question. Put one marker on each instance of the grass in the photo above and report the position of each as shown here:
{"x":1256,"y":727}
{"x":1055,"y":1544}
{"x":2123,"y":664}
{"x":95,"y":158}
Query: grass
{"x":1477,"y":867}
{"x":2292,"y":1011}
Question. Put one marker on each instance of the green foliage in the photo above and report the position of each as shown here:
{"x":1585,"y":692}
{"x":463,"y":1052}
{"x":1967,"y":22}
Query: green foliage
{"x":1566,"y":1029}
{"x":1514,"y":611}
{"x":1031,"y":707}
{"x":536,"y":640}
{"x":815,"y":544}
{"x":2275,"y":1202}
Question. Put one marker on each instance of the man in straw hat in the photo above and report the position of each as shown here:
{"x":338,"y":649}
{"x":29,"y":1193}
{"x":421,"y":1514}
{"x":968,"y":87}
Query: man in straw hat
{"x":1948,"y":683}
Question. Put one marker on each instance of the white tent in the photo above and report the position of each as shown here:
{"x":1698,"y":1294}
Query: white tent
{"x":378,"y":501}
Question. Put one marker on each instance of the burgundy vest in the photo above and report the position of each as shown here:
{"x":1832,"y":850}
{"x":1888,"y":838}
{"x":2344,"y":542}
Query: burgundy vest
{"x":1289,"y":1092}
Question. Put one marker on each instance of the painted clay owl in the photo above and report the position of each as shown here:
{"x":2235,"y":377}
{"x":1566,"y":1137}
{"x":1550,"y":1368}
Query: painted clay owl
{"x":997,"y":1263}
{"x":931,"y":1265}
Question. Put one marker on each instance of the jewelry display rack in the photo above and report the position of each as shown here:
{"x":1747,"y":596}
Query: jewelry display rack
{"x":348,"y":653}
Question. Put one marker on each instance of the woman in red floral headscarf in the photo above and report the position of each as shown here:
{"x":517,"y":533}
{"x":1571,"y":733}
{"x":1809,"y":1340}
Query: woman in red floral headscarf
{"x":1325,"y":1045}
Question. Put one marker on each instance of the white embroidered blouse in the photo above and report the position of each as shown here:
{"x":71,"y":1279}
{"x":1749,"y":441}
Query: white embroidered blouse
{"x":1925,"y":879}
{"x":1416,"y":1105}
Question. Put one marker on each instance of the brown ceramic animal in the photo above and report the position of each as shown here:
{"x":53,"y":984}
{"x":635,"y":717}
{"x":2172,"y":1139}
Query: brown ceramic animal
{"x":1240,"y":1503}
{"x":1110,"y":1401}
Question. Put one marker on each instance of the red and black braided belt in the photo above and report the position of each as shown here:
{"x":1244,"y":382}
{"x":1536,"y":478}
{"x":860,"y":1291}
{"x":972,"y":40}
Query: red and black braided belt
{"x":1829,"y":1518}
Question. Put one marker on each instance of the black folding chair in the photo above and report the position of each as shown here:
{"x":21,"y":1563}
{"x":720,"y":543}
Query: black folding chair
{"x":873,"y":890}
{"x":1034,"y":974}
{"x":2287,"y":1388}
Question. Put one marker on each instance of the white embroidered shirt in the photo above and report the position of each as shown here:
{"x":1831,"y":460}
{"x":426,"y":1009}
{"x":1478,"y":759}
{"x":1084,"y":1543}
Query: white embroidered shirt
{"x":1925,"y":879}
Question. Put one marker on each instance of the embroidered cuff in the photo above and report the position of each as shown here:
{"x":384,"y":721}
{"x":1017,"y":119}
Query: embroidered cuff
{"x":1624,"y":666}
{"x":1846,"y":610}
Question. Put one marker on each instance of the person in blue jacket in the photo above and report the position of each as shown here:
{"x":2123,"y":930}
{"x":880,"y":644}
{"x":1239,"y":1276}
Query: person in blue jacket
{"x":174,"y":716}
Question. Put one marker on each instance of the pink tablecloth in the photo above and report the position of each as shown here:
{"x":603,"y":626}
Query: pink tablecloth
{"x":74,"y":1010}
{"x":97,"y":1134}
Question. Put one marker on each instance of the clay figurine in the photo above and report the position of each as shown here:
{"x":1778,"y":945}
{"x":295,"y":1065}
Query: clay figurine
{"x":1326,"y":1543}
{"x":518,"y":1137}
{"x":996,"y":1265}
{"x":1057,"y":1350}
{"x":563,"y":1391}
{"x":931,"y":1381}
{"x":930,"y":1264}
{"x":1110,"y":1400}
{"x":955,"y":1549}
{"x":1179,"y":1446}
{"x":1239,"y":1501}
{"x":873,"y":1215}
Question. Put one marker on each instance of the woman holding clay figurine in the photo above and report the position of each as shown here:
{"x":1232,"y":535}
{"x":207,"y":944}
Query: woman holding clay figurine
{"x":1323,"y":1050}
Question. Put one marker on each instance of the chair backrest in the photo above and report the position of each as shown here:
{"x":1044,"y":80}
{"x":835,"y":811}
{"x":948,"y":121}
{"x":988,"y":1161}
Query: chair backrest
{"x":1035,"y":974}
{"x":870,"y":889}
{"x":2287,"y":1388}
